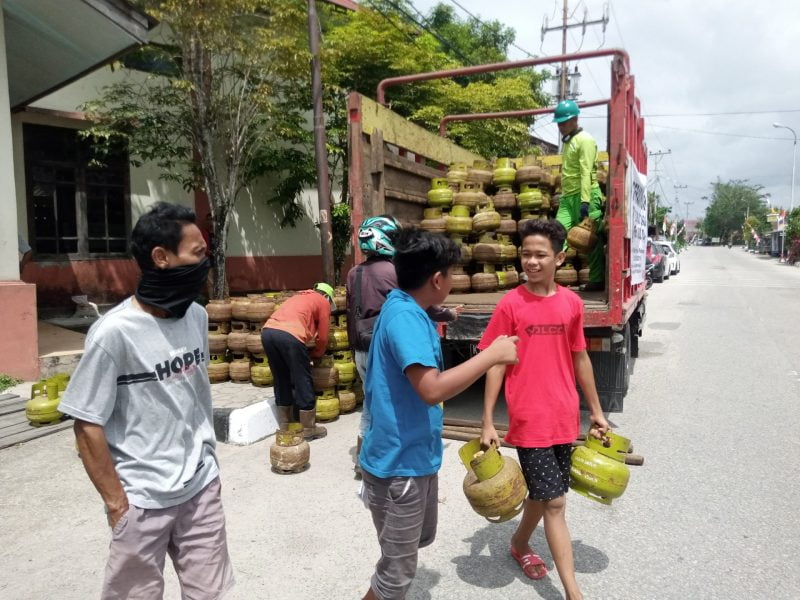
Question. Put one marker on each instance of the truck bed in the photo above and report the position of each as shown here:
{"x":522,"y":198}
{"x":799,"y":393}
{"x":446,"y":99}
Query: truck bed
{"x":484,"y":302}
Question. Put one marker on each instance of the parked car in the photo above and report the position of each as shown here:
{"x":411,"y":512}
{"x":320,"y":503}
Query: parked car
{"x":657,"y":256}
{"x":672,"y":257}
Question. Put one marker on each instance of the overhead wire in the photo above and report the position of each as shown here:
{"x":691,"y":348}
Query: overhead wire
{"x":459,"y":5}
{"x":423,"y":26}
{"x":721,"y":133}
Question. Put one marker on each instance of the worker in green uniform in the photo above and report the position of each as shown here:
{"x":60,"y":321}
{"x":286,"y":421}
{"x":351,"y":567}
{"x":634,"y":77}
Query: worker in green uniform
{"x":580,"y":194}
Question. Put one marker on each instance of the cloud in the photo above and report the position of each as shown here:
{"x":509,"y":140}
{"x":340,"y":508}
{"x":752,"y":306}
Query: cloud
{"x":706,"y":56}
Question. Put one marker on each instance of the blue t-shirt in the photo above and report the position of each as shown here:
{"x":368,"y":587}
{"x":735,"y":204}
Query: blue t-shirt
{"x":404,"y":438}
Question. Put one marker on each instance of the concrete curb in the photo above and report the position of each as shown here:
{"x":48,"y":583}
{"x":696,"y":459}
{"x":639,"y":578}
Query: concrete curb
{"x":246,"y":425}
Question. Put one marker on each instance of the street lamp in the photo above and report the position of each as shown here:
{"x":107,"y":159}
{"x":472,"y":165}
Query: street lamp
{"x":791,"y":205}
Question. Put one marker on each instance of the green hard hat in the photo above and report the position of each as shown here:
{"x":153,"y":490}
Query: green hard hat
{"x":325,"y":289}
{"x":566,"y":110}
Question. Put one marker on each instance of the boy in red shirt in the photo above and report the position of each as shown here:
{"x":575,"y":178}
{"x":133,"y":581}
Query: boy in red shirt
{"x":543,"y":406}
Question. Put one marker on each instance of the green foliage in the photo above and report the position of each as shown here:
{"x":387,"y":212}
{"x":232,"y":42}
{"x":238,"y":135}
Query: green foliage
{"x":225,"y":107}
{"x":371,"y":45}
{"x":656,"y":210}
{"x":730,"y":204}
{"x":7,"y":381}
{"x":792,"y":231}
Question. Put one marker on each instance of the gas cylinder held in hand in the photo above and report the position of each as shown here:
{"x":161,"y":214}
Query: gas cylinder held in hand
{"x":440,"y":193}
{"x":343,"y":362}
{"x":494,"y":484}
{"x":290,"y":452}
{"x":324,"y":375}
{"x":583,"y":237}
{"x":337,"y":339}
{"x":598,"y":470}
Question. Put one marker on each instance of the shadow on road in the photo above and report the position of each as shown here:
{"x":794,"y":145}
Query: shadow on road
{"x":490,"y":566}
{"x":424,"y":581}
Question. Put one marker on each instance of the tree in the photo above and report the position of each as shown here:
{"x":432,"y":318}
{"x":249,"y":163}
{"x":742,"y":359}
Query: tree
{"x":225,"y":108}
{"x":371,"y":45}
{"x":731,"y":203}
{"x":656,"y":210}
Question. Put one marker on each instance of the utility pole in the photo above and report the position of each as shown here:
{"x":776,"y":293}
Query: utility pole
{"x":678,"y":202}
{"x":687,"y":203}
{"x":320,"y":147}
{"x":565,"y":25}
{"x":658,"y":156}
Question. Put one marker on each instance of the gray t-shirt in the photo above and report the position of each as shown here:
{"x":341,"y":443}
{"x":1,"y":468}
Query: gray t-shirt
{"x":145,"y":380}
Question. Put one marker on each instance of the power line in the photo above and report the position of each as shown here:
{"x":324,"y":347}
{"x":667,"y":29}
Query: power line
{"x":737,"y":135}
{"x":482,"y":23}
{"x":616,"y":24}
{"x":423,"y":26}
{"x":740,"y":112}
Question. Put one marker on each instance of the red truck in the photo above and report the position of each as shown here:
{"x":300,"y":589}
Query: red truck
{"x":391,"y":163}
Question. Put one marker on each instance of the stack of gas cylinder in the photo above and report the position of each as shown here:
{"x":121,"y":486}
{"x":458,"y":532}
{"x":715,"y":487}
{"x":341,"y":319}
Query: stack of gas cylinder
{"x":483,"y":207}
{"x":334,"y":375}
{"x":236,"y":353}
{"x":42,"y":408}
{"x":234,"y":338}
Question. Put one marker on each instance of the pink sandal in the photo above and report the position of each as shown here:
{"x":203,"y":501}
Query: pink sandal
{"x":532,"y":564}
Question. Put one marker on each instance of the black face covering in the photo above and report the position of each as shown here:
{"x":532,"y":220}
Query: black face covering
{"x":173,"y":290}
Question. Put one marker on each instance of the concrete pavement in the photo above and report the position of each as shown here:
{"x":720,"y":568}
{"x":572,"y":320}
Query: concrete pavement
{"x":712,"y":514}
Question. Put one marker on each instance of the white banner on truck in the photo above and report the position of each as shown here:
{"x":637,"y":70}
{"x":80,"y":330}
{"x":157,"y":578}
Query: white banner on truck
{"x":637,"y":221}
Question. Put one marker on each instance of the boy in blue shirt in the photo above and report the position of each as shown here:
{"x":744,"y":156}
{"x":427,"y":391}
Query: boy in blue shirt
{"x":406,"y":384}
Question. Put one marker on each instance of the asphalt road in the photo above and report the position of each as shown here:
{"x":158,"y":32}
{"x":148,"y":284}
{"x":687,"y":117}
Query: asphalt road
{"x":713,"y":407}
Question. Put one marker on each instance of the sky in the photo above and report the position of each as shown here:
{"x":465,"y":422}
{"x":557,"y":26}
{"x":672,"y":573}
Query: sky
{"x":699,"y":57}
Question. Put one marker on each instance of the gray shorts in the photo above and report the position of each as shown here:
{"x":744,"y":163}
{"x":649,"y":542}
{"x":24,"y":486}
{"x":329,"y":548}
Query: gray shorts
{"x":193,"y":533}
{"x":405,"y":514}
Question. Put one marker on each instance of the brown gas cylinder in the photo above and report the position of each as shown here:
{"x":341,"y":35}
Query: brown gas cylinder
{"x":218,"y":310}
{"x":461,"y":281}
{"x":237,"y":338}
{"x":217,"y":341}
{"x":484,"y":280}
{"x":324,"y":374}
{"x":494,"y":484}
{"x":239,"y":305}
{"x":260,"y":309}
{"x":239,"y":367}
{"x":289,"y":453}
{"x":217,"y":368}
{"x":583,"y":237}
{"x":566,"y":275}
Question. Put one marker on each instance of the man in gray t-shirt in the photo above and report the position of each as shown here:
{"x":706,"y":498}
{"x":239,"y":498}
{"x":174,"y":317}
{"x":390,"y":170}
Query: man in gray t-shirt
{"x":141,"y":402}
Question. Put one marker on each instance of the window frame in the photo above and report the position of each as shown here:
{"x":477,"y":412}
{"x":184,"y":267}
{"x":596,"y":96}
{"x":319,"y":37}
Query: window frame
{"x":81,"y":166}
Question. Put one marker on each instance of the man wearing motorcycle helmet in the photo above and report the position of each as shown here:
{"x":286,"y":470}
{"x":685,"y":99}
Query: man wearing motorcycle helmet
{"x":368,"y":284}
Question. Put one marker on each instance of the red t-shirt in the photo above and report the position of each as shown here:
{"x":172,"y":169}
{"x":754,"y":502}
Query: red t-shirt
{"x":540,"y":391}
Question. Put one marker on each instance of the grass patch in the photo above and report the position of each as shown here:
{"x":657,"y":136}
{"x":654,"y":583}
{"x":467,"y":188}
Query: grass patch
{"x":7,"y":381}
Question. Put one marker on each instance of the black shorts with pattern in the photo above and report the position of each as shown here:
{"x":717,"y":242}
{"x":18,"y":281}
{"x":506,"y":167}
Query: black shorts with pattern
{"x":546,"y":470}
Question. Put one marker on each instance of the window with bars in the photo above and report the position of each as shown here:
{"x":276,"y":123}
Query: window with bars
{"x":78,"y":202}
